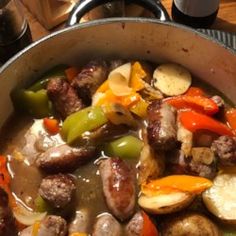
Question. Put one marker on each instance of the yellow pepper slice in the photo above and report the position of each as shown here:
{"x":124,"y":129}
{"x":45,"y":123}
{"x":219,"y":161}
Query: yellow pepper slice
{"x":36,"y":227}
{"x":137,"y":76}
{"x":140,"y":108}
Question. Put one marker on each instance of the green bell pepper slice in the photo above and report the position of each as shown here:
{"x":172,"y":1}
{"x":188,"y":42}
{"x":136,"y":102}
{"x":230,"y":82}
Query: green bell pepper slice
{"x":34,"y":103}
{"x":58,"y":70}
{"x":42,"y":206}
{"x":127,"y":147}
{"x":84,"y":120}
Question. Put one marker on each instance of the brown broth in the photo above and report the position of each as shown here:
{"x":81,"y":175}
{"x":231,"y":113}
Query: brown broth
{"x":27,"y":178}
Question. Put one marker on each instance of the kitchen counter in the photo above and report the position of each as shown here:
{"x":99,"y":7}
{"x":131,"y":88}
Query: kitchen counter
{"x":226,"y":19}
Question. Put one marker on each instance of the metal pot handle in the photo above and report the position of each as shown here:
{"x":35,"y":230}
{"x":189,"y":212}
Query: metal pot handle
{"x":84,"y":6}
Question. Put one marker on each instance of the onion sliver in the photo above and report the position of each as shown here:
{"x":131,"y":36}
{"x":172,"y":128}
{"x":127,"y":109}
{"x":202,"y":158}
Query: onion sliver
{"x":119,"y":85}
{"x":26,"y":217}
{"x":124,"y":70}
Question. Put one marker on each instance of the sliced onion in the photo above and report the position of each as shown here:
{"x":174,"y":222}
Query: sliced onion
{"x":119,"y":85}
{"x":124,"y":70}
{"x":26,"y":217}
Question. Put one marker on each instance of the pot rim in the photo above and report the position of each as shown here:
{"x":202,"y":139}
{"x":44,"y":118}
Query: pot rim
{"x":105,"y":21}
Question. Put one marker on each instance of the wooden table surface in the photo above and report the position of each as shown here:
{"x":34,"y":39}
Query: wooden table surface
{"x":226,"y":19}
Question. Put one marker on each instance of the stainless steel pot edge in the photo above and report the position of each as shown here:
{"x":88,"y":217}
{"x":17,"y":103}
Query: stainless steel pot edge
{"x":120,"y":20}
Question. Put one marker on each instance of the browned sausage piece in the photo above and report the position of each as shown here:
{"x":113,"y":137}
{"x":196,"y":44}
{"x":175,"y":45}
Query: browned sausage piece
{"x":89,"y":79}
{"x":50,"y":226}
{"x":58,"y":190}
{"x":7,"y":222}
{"x":64,"y":98}
{"x":202,"y":162}
{"x":162,"y":128}
{"x":135,"y":225}
{"x":225,"y":149}
{"x":53,"y":226}
{"x":107,"y":225}
{"x":118,"y":187}
{"x":64,"y":158}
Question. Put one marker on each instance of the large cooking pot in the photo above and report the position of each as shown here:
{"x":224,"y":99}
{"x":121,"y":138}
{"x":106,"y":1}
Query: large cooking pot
{"x":139,"y":38}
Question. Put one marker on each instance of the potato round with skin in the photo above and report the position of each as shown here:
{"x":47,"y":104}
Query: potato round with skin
{"x":189,"y":224}
{"x":172,"y":79}
{"x":220,"y":199}
{"x":165,"y":203}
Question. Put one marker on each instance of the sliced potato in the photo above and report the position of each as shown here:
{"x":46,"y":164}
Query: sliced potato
{"x":186,"y":138}
{"x":171,"y":79}
{"x":189,"y":223}
{"x":151,"y":164}
{"x":165,"y":203}
{"x":203,"y":155}
{"x":220,"y":199}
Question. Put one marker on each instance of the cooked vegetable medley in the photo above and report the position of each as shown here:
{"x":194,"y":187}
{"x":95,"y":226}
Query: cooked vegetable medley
{"x":116,"y":148}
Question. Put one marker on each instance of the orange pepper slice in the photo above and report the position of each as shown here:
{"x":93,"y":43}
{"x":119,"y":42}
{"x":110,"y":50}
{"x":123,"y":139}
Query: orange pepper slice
{"x":230,"y":117}
{"x":184,"y":183}
{"x":126,"y":101}
{"x":103,"y":87}
{"x":195,"y":91}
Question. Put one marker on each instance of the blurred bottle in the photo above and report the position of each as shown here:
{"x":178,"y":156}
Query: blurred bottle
{"x":195,"y":13}
{"x":14,"y":30}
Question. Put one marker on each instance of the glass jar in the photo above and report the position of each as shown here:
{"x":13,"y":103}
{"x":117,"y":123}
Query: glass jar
{"x":14,"y":30}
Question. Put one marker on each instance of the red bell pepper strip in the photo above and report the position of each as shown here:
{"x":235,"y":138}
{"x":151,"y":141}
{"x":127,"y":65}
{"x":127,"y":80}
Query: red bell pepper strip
{"x":149,"y":229}
{"x":51,"y":125}
{"x":5,"y":179}
{"x":4,"y":175}
{"x":230,"y":117}
{"x":198,"y":103}
{"x":195,"y":91}
{"x":194,"y":121}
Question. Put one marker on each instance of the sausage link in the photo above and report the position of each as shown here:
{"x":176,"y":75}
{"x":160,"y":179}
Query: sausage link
{"x":162,"y":128}
{"x":64,"y":158}
{"x":89,"y":79}
{"x":118,"y":187}
{"x":107,"y":225}
{"x":135,"y":225}
{"x":64,"y":98}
